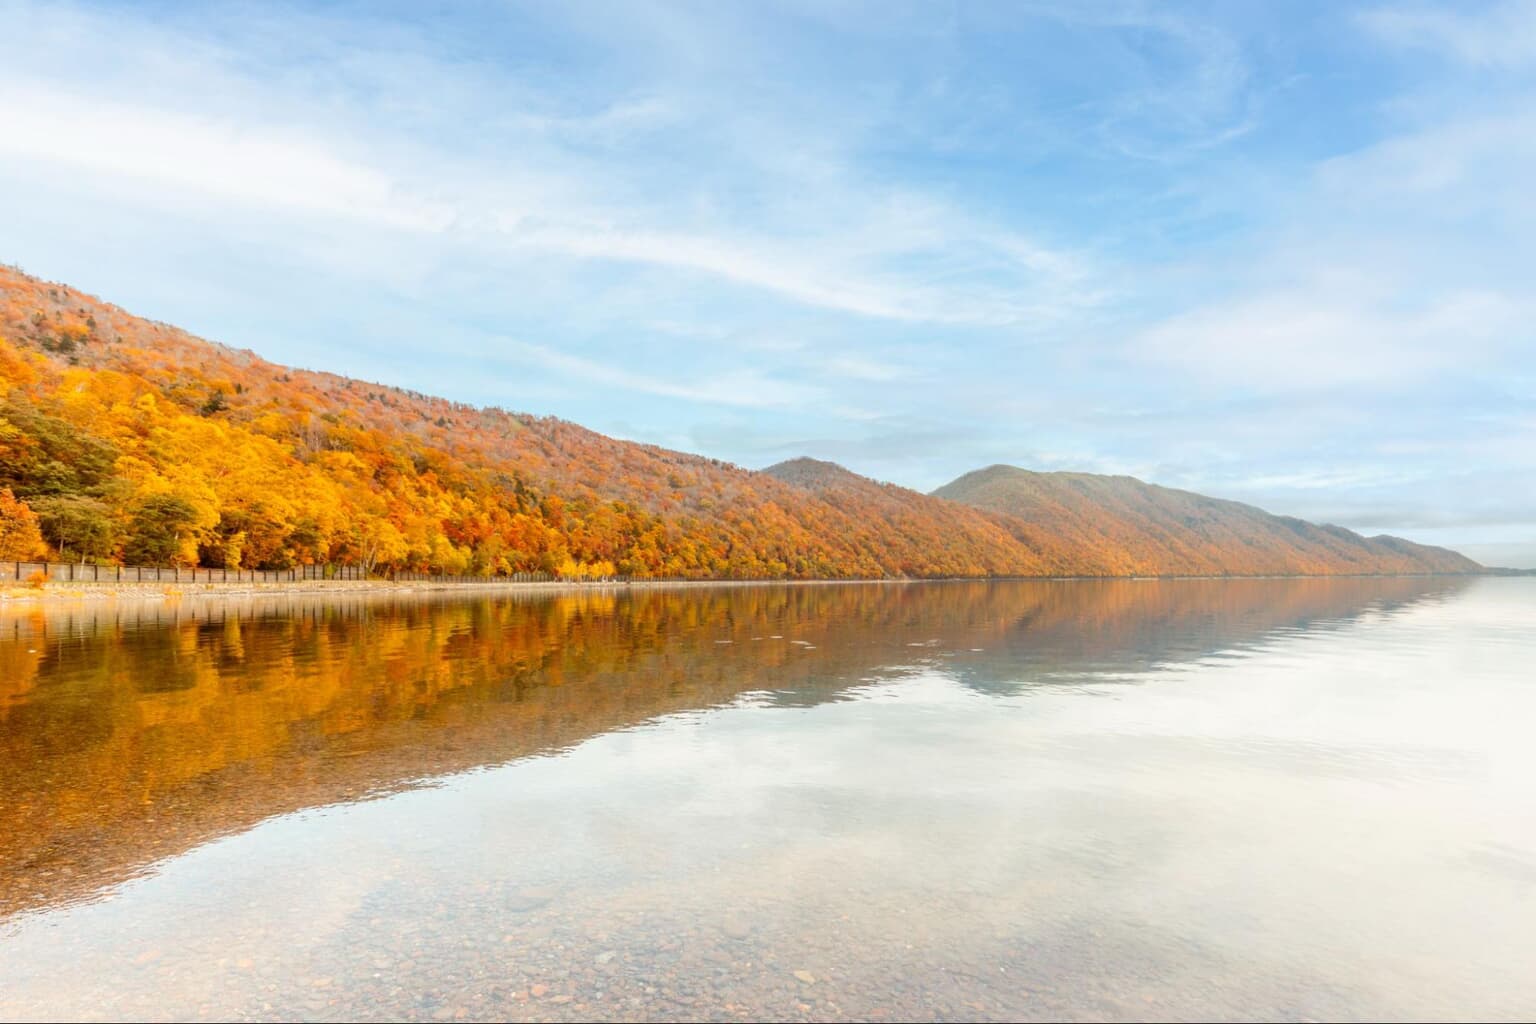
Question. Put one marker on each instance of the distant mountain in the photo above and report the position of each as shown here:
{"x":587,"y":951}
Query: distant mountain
{"x":1119,"y":525}
{"x":915,"y":527}
{"x":825,"y":477}
{"x":127,"y":439}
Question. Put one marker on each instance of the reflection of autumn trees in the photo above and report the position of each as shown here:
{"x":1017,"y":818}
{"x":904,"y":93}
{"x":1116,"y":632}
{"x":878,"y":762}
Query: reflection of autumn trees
{"x":19,"y":656}
{"x":109,"y":424}
{"x":130,"y":732}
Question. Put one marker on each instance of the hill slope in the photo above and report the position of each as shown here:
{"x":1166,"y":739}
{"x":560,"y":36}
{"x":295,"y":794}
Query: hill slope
{"x":133,"y":440}
{"x":1143,"y":529}
{"x":911,"y":523}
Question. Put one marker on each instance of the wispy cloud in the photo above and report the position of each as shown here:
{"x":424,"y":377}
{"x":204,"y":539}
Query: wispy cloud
{"x":859,"y":248}
{"x":1321,"y":340}
{"x":1502,"y":35}
{"x":743,"y":387}
{"x":176,"y":154}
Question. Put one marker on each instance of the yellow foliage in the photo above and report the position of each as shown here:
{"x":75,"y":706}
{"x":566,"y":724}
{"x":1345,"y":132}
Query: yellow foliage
{"x":231,"y":460}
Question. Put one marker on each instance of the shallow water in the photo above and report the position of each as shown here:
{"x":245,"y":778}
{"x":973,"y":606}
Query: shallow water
{"x":1272,"y":799}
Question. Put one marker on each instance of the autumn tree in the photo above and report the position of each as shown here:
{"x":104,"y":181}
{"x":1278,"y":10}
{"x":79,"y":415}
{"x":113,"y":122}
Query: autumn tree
{"x":379,"y":542}
{"x":285,"y":467}
{"x":20,"y":537}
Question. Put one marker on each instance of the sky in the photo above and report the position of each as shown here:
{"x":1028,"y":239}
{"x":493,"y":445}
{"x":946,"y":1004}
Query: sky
{"x":1281,"y":253}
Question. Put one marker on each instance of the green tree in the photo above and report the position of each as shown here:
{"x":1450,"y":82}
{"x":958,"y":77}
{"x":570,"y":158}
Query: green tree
{"x":156,"y":528}
{"x":42,"y":454}
{"x":77,"y":525}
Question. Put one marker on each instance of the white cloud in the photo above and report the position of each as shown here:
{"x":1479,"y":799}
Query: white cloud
{"x":205,"y":155}
{"x":776,"y":269}
{"x":1477,"y":164}
{"x":1201,"y":98}
{"x":1314,"y":340}
{"x":240,"y":127}
{"x":742,"y":387}
{"x":1392,"y":268}
{"x":858,"y":368}
{"x":1330,"y":478}
{"x":1503,"y":35}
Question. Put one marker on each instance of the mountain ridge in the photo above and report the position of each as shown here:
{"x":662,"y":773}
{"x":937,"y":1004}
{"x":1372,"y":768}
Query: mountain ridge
{"x":1146,"y":528}
{"x":121,"y":437}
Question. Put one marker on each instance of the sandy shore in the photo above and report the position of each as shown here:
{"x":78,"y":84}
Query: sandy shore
{"x":55,"y":592}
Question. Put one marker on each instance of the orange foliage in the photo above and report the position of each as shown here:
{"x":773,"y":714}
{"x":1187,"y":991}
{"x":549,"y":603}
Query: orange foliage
{"x":280,"y":467}
{"x":130,"y":435}
{"x":20,"y":538}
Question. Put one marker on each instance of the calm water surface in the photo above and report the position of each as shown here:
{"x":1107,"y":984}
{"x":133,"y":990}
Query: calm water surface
{"x":1274,"y":799}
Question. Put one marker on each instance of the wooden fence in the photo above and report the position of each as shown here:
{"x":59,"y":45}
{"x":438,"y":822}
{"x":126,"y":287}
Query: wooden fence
{"x":75,"y":572}
{"x":430,"y":577}
{"x":548,"y":577}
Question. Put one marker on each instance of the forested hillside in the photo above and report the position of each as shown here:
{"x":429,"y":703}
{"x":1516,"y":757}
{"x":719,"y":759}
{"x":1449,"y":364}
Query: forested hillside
{"x":122,"y":439}
{"x":1137,"y":528}
{"x":128,"y":439}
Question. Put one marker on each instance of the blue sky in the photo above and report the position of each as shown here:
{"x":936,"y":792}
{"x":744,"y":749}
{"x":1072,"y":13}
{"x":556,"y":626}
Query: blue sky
{"x":1275,"y":252}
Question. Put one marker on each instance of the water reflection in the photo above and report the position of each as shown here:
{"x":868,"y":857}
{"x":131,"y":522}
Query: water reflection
{"x":1171,"y":800}
{"x":131,"y":732}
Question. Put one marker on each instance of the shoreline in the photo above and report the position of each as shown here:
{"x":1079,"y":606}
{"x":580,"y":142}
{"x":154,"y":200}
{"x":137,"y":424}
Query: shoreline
{"x":66,"y":591}
{"x":57,"y":591}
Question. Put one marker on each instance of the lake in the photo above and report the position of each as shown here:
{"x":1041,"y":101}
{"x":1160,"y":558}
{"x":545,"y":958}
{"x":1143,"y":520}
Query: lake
{"x":1272,"y":799}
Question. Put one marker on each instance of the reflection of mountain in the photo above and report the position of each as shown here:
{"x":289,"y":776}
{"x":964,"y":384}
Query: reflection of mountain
{"x":1088,"y":628}
{"x":129,"y":734}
